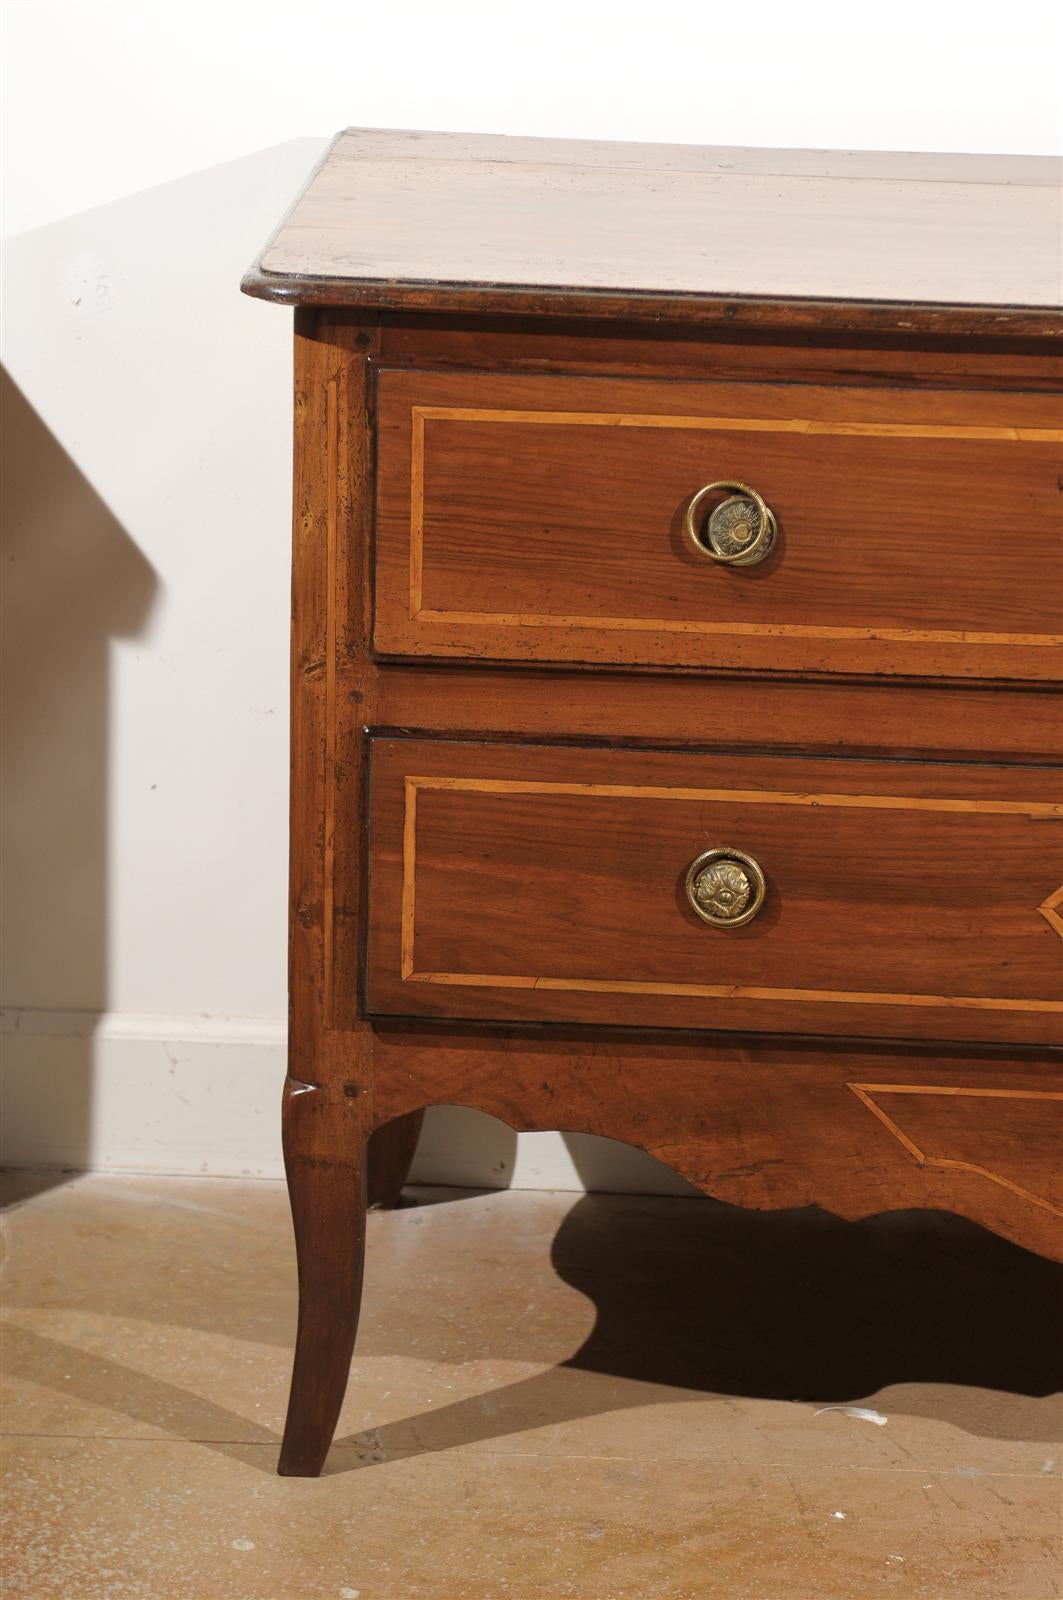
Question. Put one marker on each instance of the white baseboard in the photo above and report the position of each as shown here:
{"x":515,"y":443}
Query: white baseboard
{"x":125,"y":1092}
{"x":464,"y":1147}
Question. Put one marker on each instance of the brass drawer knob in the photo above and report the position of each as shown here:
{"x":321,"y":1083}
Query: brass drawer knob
{"x":725,"y":887}
{"x":739,"y":531}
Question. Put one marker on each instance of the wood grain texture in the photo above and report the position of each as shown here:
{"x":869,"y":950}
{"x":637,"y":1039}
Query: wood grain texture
{"x":769,"y":1123}
{"x":541,"y":519}
{"x":759,"y":1120}
{"x":1049,"y":909}
{"x":959,"y":1131}
{"x":523,"y":344}
{"x":537,"y":883}
{"x":701,"y":712}
{"x":325,"y":1159}
{"x":392,"y":1148}
{"x":328,"y":1093}
{"x":485,"y":223}
{"x":327,"y":649}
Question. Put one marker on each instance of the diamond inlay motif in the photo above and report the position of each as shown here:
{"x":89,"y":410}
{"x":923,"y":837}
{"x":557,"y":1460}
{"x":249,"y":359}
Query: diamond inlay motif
{"x":1049,"y":910}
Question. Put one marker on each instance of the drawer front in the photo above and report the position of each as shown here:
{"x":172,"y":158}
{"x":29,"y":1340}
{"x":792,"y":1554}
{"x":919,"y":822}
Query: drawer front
{"x":902,"y":900}
{"x":543,"y":518}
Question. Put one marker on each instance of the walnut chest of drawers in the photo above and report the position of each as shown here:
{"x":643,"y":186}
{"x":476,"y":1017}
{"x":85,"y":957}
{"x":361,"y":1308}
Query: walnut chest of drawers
{"x":675,"y":744}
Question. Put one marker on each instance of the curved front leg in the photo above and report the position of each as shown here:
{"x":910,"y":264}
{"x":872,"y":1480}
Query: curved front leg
{"x":326,"y":1161}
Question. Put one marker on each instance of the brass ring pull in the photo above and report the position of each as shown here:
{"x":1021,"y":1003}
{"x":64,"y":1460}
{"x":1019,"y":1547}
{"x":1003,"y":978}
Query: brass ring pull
{"x":740,"y":531}
{"x":725,"y":887}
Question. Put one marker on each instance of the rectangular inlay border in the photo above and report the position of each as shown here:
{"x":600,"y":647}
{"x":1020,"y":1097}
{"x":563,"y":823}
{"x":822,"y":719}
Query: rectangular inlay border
{"x":419,"y":613}
{"x":864,"y":1092}
{"x":413,"y":784}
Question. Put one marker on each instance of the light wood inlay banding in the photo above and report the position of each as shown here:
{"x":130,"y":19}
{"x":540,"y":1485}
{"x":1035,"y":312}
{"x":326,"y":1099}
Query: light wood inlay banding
{"x":332,"y":448}
{"x":409,"y":873}
{"x":805,"y":426}
{"x":772,"y":797}
{"x":865,"y":1091}
{"x":1048,"y":910}
{"x":1032,"y":809}
{"x":655,"y":419}
{"x":737,"y":991}
{"x":417,"y":510}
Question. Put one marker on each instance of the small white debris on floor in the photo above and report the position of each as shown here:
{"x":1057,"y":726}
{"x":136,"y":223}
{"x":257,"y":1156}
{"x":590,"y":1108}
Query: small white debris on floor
{"x":861,"y":1413}
{"x":503,"y":1470}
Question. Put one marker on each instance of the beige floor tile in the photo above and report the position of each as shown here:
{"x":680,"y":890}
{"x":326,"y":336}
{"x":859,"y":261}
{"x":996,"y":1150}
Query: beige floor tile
{"x":551,"y":1397}
{"x":138,"y":1521}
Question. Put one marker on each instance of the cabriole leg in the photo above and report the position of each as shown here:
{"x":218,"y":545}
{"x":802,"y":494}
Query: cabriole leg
{"x":326,"y":1160}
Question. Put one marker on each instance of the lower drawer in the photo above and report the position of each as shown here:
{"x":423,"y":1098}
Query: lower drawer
{"x":871,"y":898}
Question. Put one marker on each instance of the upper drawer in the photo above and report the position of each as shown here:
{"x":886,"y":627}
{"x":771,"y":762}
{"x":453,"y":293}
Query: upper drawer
{"x":881,"y":898}
{"x":542,"y":519}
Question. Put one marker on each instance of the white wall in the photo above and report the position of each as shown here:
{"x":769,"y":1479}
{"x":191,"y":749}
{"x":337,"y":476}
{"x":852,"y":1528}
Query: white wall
{"x":148,"y":152}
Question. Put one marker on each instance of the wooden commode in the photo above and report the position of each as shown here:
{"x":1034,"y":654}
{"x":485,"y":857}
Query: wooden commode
{"x":678,"y":568}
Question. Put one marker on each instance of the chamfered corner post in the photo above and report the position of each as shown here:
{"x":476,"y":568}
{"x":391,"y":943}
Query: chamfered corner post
{"x":328,"y":1096}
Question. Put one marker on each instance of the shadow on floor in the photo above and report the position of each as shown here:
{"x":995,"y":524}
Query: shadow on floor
{"x":705,"y":1298}
{"x":915,"y":1313}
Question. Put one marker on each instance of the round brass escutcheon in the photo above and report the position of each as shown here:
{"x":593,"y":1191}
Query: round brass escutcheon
{"x":725,"y":887}
{"x":740,"y":530}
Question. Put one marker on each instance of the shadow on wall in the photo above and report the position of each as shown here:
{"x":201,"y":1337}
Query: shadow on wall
{"x":72,"y":581}
{"x":129,"y":346}
{"x":132,"y":341}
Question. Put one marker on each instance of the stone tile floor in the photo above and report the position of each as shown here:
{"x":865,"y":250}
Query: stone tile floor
{"x":554,"y":1396}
